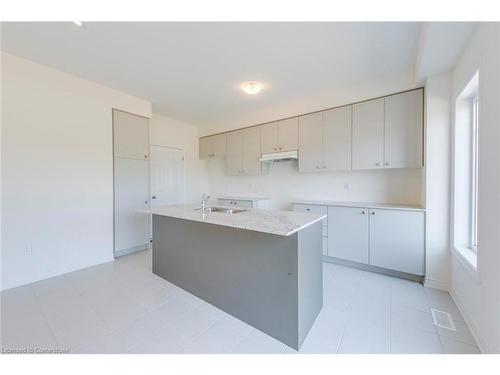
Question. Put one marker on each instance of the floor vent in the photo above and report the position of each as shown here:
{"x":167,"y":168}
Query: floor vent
{"x":443,"y":319}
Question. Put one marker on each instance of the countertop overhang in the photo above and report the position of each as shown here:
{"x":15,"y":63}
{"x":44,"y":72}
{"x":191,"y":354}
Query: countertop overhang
{"x":282,"y":223}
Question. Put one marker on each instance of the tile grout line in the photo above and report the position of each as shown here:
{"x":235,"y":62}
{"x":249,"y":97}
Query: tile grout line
{"x":44,"y":316}
{"x":243,"y":339}
{"x":347,"y":320}
{"x":201,"y":332}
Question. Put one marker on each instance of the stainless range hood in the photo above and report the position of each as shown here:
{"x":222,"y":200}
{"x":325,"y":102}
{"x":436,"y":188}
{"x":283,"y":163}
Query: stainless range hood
{"x":278,"y":156}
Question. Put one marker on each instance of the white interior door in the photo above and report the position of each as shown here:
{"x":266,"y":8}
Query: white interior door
{"x":166,"y":175}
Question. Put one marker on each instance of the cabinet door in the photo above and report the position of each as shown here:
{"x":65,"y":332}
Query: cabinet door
{"x":288,"y":134}
{"x":130,"y":135}
{"x":337,"y":138}
{"x":311,"y":142}
{"x":368,"y":135}
{"x":219,"y":145}
{"x":235,"y":203}
{"x":234,"y":153}
{"x":269,"y":138}
{"x":131,"y":203}
{"x":397,"y":240}
{"x":348,"y":233}
{"x":251,"y":151}
{"x":404,"y":130}
{"x":205,"y":148}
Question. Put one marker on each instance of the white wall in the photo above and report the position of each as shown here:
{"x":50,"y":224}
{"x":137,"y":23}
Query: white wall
{"x":57,"y":171}
{"x":316,"y":101}
{"x":437,"y":179}
{"x":478,"y":294}
{"x":177,"y":134}
{"x":283,"y":184}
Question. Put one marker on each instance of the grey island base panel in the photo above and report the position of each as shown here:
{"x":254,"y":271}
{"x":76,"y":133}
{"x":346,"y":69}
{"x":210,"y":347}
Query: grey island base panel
{"x":274,"y":283}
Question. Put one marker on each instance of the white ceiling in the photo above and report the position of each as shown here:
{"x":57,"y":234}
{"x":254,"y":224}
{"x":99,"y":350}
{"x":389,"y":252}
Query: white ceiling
{"x":192,"y":71}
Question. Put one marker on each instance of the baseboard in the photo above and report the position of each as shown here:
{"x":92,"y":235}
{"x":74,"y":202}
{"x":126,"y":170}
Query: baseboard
{"x":131,"y":250}
{"x":483,"y":347}
{"x":370,"y":268}
{"x":436,"y":284}
{"x":46,"y":276}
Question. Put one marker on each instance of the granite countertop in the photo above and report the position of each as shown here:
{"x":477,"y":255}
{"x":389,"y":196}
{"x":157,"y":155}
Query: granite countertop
{"x":388,"y":206}
{"x":283,"y":223}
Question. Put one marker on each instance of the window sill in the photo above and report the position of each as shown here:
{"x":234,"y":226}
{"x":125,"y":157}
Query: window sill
{"x":467,"y":257}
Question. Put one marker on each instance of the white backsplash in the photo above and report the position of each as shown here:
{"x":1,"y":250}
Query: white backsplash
{"x":283,"y":184}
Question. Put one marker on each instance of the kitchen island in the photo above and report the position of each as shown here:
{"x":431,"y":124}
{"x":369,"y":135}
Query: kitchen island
{"x":262,"y":266}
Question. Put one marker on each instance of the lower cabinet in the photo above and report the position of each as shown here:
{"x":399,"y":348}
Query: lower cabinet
{"x":313,"y":208}
{"x":393,"y":239}
{"x":348,"y":233}
{"x":243,"y":203}
{"x":397,"y":240}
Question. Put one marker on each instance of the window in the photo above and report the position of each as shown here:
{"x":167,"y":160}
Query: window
{"x":466,"y":171}
{"x":474,"y":170}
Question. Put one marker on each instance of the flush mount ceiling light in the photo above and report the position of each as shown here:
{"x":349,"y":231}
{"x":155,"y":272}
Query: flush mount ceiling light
{"x":252,"y":87}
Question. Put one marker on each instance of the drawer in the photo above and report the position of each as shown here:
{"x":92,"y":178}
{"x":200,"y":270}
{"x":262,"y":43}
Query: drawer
{"x":235,"y":203}
{"x":325,"y":245}
{"x":312,"y":208}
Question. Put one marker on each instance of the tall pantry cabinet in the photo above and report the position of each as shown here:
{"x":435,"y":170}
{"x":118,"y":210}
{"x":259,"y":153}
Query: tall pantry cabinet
{"x":131,"y":182}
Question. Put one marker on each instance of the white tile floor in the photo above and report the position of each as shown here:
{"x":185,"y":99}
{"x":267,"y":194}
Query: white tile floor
{"x":121,"y":307}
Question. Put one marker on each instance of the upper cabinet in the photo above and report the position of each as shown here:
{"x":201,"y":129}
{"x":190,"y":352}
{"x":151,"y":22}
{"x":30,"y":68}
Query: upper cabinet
{"x":325,"y":140}
{"x":368,"y":134}
{"x":234,"y":154}
{"x":388,"y":132}
{"x":269,"y":137}
{"x":380,"y":133}
{"x":280,"y":136}
{"x":130,"y":135}
{"x":404,"y":130}
{"x":337,"y":138}
{"x":243,"y":152}
{"x":213,"y":146}
{"x":311,"y":142}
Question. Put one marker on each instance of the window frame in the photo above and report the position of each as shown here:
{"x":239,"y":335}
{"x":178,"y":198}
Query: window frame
{"x":474,"y":171}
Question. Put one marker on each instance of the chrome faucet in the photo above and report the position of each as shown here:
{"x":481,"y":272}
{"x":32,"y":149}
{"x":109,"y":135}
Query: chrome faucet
{"x":204,"y":199}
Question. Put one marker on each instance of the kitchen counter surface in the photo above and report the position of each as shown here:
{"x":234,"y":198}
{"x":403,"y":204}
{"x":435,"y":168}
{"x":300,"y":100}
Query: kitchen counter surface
{"x":283,"y":223}
{"x":388,"y":206}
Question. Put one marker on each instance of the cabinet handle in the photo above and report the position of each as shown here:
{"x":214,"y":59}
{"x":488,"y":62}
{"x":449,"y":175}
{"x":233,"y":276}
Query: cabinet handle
{"x":387,"y":163}
{"x":153,"y":197}
{"x":324,"y":166}
{"x":363,"y":212}
{"x":145,"y":156}
{"x":373,"y":212}
{"x":145,"y":202}
{"x":377,"y":164}
{"x":280,"y":148}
